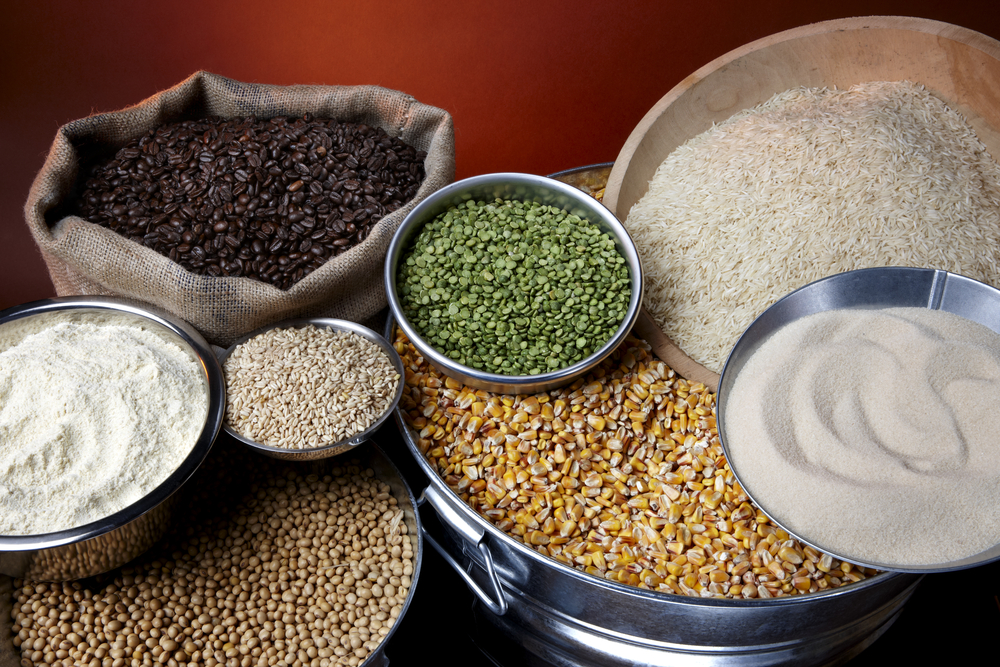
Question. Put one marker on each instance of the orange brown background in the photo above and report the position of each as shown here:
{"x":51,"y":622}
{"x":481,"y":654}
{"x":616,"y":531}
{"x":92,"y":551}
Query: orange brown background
{"x":532,"y":86}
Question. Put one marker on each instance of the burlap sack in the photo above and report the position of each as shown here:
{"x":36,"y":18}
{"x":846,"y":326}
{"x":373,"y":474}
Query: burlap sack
{"x":84,"y":258}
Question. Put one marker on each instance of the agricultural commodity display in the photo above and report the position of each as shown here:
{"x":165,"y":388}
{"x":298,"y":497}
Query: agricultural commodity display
{"x":813,"y":182}
{"x":267,"y":199}
{"x":512,"y":287}
{"x":620,"y":475}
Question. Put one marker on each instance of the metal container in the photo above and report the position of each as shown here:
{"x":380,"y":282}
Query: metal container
{"x":521,"y":187}
{"x":114,"y":540}
{"x":561,"y":616}
{"x":371,"y":456}
{"x":877,"y":288}
{"x":590,"y":178}
{"x":340,"y":446}
{"x":387,"y":472}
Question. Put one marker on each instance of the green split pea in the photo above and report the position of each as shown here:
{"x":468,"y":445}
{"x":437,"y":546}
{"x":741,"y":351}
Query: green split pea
{"x":512,"y":287}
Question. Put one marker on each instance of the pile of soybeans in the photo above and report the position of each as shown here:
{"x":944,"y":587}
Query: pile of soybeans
{"x":272,"y":566}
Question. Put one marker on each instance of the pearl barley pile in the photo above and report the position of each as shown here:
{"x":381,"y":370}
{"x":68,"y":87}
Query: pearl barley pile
{"x":305,"y":570}
{"x":301,"y":388}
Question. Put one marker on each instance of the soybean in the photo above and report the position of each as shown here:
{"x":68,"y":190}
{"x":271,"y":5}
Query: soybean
{"x":299,"y":568}
{"x":513,"y":287}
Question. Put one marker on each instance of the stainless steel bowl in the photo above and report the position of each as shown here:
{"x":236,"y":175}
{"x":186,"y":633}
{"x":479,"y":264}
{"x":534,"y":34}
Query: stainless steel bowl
{"x":563,"y":616}
{"x":372,"y":456}
{"x":520,"y":187}
{"x":876,"y":288}
{"x":590,"y":178}
{"x":333,"y":448}
{"x":114,"y":540}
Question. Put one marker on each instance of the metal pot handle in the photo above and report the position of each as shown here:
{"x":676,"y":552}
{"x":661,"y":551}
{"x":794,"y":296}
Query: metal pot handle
{"x":473,"y":535}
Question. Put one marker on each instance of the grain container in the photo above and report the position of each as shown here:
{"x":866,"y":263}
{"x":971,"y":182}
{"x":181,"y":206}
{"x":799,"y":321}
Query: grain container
{"x":534,"y":190}
{"x":961,"y":67}
{"x":566,"y":617}
{"x":260,"y":502}
{"x":107,"y":542}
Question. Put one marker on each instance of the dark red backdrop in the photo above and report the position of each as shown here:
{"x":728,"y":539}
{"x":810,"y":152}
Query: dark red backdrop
{"x":532,"y":86}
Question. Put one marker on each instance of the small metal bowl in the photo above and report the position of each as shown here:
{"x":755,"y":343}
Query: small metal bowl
{"x":341,"y":446}
{"x":520,"y":187}
{"x":103,"y":545}
{"x":872,"y":289}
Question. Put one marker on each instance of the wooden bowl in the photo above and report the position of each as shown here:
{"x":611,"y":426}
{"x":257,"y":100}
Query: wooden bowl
{"x":960,"y":66}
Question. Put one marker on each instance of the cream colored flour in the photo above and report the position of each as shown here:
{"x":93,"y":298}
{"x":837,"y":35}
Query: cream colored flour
{"x":96,"y":410}
{"x":874,"y":434}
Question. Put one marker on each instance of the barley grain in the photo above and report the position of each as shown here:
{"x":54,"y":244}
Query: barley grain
{"x":300,"y":388}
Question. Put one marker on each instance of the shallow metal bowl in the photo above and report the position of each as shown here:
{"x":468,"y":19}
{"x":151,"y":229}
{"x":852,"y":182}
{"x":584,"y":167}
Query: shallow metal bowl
{"x":877,"y":288}
{"x":333,"y":448}
{"x":114,"y":540}
{"x":590,"y":178}
{"x":522,"y":187}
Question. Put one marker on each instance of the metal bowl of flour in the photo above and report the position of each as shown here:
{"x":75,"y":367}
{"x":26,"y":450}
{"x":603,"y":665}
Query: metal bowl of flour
{"x":111,"y":541}
{"x":863,"y":289}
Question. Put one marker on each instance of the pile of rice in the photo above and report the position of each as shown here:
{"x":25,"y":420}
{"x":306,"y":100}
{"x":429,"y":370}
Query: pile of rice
{"x":811,"y":183}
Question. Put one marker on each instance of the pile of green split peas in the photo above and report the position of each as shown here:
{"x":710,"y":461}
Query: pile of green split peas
{"x":512,"y":287}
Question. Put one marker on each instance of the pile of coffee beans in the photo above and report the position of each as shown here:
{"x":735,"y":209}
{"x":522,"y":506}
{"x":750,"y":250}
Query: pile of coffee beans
{"x":266,"y":199}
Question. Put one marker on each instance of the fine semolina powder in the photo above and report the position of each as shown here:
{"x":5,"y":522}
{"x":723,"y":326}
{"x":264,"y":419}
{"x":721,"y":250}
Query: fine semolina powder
{"x":872,"y":434}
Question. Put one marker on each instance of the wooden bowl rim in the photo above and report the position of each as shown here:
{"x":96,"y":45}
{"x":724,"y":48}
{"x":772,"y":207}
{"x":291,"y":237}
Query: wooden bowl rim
{"x":966,"y":36}
{"x":958,"y":34}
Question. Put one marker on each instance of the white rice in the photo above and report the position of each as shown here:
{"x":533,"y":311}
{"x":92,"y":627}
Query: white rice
{"x":811,"y":183}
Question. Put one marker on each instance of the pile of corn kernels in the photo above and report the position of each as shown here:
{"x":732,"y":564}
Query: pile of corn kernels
{"x":620,"y":475}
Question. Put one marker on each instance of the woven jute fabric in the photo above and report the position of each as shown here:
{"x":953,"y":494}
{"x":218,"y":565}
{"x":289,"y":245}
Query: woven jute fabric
{"x":86,"y":259}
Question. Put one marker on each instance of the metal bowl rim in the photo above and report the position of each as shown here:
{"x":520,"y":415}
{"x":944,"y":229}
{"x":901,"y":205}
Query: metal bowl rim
{"x":417,"y":540}
{"x":579,"y":170}
{"x":199,"y":451}
{"x":341,"y":446}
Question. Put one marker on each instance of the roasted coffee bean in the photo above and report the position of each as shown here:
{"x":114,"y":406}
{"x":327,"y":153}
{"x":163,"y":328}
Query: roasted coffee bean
{"x":270,"y":199}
